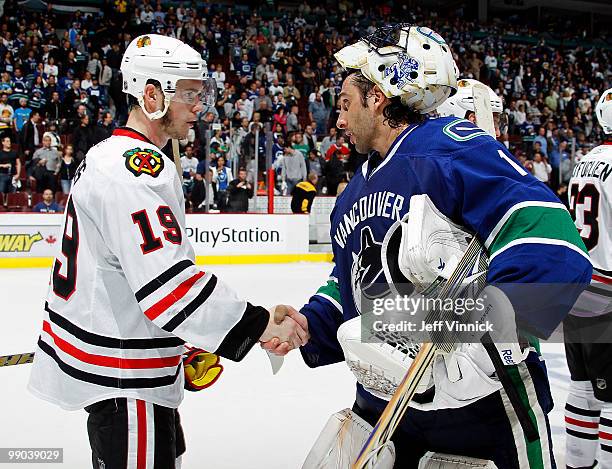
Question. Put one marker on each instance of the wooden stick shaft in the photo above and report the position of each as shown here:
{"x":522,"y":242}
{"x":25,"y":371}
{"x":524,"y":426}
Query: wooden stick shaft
{"x":176,"y":152}
{"x":405,"y":391}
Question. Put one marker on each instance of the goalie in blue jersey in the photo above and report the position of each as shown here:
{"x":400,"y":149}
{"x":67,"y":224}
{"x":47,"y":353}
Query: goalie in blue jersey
{"x":463,"y":179}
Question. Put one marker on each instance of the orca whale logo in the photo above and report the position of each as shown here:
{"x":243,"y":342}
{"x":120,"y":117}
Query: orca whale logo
{"x":367,"y":275}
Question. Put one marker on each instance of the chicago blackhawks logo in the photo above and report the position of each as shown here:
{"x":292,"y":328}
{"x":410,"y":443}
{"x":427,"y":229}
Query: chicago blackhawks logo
{"x":145,"y":161}
{"x":143,"y":41}
{"x":367,"y":276}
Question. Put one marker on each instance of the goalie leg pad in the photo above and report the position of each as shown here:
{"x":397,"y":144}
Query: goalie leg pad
{"x":340,"y":442}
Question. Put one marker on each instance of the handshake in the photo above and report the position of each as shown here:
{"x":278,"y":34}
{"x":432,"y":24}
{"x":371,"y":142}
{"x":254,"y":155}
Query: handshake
{"x":286,"y":330}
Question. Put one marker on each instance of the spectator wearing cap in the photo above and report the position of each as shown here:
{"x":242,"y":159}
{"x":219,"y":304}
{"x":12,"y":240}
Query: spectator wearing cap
{"x":21,"y":115}
{"x":48,"y":205}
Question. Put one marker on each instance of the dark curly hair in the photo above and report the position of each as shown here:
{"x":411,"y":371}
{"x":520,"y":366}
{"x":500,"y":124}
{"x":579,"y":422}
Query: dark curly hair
{"x":395,"y":113}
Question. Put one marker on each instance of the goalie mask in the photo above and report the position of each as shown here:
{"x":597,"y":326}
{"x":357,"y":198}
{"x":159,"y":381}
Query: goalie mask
{"x":412,"y":62}
{"x":603,"y":110}
{"x":179,"y":69}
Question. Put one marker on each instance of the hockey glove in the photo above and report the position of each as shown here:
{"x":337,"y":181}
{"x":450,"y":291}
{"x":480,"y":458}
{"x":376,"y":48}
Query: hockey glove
{"x":202,"y":369}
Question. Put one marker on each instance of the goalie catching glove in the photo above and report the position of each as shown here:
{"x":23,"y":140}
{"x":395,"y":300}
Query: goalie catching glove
{"x":202,"y":369}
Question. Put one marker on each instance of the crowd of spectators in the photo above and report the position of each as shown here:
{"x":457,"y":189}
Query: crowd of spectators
{"x":60,"y":91}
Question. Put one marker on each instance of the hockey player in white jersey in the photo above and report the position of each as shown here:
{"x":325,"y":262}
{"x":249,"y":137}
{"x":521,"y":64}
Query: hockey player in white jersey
{"x":125,"y":293}
{"x":588,"y":411}
{"x":462,"y":105}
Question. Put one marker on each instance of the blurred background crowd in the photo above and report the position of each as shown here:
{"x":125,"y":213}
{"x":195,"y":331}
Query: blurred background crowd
{"x":273,"y":125}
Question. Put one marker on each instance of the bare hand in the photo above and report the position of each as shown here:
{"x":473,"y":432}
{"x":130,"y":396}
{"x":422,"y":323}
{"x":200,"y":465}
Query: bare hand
{"x":288,"y":329}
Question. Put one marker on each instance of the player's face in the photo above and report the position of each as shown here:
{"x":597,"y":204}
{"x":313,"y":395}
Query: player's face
{"x":183,"y":113}
{"x":356,"y":120}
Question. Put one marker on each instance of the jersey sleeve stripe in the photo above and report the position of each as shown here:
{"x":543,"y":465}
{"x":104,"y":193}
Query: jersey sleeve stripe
{"x":171,"y":298}
{"x":109,"y":381}
{"x":556,"y":242}
{"x":538,"y":222}
{"x":111,"y":342}
{"x":161,"y":279}
{"x":181,"y":316}
{"x":599,"y":278}
{"x":337,"y":305}
{"x":110,"y":362}
{"x":502,"y":222}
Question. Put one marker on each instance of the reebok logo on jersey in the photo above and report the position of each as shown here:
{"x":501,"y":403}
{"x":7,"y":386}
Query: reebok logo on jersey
{"x":146,"y":161}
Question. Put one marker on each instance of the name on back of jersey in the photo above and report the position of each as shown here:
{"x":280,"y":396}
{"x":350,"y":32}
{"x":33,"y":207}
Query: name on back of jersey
{"x":593,"y":168}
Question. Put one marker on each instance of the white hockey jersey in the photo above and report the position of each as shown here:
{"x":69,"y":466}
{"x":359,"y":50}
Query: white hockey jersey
{"x":125,"y":294}
{"x":590,"y":200}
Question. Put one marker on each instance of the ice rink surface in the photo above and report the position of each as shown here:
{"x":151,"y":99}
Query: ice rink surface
{"x":249,"y":419}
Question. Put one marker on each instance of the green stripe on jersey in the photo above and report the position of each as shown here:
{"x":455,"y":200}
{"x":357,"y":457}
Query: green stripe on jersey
{"x":534,"y":448}
{"x":538,"y":222}
{"x":330,"y":289}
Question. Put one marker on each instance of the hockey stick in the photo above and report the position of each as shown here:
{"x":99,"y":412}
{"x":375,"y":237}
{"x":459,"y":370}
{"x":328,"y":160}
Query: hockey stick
{"x":482,"y":109}
{"x":17,"y":359}
{"x":397,"y":406}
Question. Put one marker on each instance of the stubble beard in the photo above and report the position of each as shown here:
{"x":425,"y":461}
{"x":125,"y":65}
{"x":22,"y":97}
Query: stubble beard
{"x":170,"y":128}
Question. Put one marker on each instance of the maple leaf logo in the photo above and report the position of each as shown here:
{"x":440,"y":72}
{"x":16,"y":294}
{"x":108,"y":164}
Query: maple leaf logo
{"x":50,"y":239}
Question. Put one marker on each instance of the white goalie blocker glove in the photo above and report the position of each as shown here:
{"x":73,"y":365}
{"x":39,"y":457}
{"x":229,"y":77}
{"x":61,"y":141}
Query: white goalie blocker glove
{"x":467,"y":373}
{"x":379,"y":363}
{"x":431,"y":246}
{"x":430,"y":249}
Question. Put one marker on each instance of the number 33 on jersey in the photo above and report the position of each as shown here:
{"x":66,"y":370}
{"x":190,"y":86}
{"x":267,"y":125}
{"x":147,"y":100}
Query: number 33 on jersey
{"x":590,"y":203}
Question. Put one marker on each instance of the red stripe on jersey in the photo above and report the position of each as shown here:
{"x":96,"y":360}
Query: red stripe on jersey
{"x":141,"y":418}
{"x":599,"y":278}
{"x":581,"y":423}
{"x":605,"y":436}
{"x":127,"y":132}
{"x":110,"y":362}
{"x":175,"y":295}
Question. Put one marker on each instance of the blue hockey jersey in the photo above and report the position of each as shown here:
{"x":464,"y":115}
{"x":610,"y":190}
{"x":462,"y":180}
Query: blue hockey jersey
{"x":472,"y":179}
